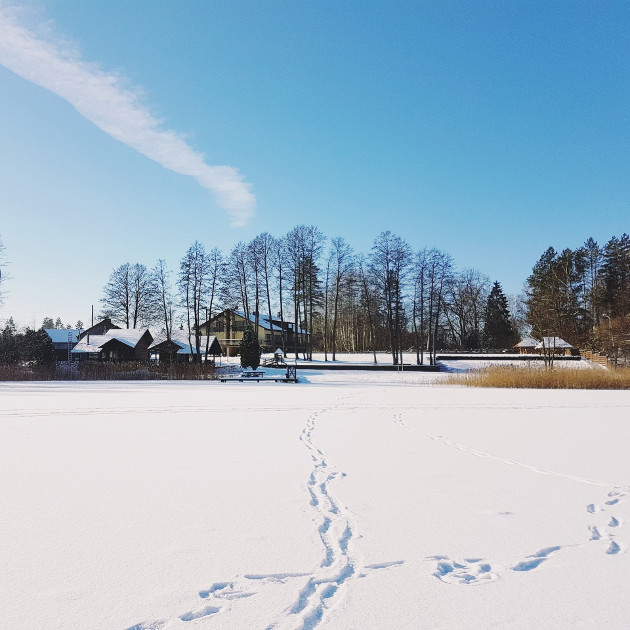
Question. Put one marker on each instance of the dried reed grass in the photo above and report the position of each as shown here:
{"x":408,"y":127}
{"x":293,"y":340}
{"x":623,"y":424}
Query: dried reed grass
{"x":541,"y":378}
{"x":107,"y":371}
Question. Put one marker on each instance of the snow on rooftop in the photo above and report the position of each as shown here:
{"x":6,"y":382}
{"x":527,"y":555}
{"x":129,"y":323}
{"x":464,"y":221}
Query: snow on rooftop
{"x":129,"y":336}
{"x":94,"y":344}
{"x":60,"y":335}
{"x":526,"y":342}
{"x":180,"y":338}
{"x":553,"y":342}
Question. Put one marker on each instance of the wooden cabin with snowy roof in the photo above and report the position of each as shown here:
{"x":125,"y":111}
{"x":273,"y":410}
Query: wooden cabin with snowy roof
{"x":526,"y":345}
{"x":181,"y":348}
{"x":116,"y":344}
{"x":548,"y":345}
{"x":554,"y":345}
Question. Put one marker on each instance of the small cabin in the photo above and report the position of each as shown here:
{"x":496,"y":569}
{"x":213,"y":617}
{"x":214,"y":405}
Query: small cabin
{"x":182,"y":349}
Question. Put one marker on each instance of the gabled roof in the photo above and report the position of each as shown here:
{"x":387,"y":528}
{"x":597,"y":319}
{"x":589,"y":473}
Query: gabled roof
{"x":60,"y":335}
{"x":553,"y":342}
{"x":263,"y":321}
{"x":180,"y":338}
{"x":94,"y":345}
{"x":100,"y":328}
{"x":526,"y":342}
{"x":128,"y":336}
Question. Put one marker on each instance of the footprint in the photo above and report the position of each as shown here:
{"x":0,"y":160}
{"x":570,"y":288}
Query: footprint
{"x":384,"y":565}
{"x":192,"y":615}
{"x":615,"y":548}
{"x":595,"y":535}
{"x":217,"y":586}
{"x":536,"y":559}
{"x":466,"y":572}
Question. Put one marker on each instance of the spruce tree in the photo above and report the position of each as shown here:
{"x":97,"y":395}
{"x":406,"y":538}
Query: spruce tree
{"x":250,"y":349}
{"x":499,"y":332}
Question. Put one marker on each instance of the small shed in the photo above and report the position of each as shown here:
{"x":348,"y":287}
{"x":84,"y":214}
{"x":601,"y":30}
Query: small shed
{"x":63,"y":340}
{"x":527,"y":345}
{"x":178,"y":349}
{"x":554,"y":345}
{"x":278,"y":355}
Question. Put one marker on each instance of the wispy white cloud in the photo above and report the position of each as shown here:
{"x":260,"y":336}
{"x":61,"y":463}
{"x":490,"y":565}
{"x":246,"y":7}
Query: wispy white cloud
{"x":105,"y":99}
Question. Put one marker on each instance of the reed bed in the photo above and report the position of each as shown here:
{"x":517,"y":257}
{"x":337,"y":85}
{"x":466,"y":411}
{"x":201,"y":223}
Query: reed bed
{"x":107,"y":371}
{"x":541,"y":378}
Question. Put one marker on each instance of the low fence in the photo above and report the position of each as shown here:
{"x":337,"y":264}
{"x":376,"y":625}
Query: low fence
{"x":595,"y":357}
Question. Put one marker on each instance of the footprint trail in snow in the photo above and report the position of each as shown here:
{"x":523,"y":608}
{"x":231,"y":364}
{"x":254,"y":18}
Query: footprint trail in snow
{"x":471,"y":571}
{"x":324,"y":586}
{"x":480,"y":571}
{"x":341,"y":562}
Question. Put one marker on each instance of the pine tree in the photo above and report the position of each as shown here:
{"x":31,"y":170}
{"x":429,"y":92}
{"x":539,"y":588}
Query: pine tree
{"x":36,"y":347}
{"x":616,"y":275}
{"x":554,"y":307}
{"x":499,"y":332}
{"x":250,"y":349}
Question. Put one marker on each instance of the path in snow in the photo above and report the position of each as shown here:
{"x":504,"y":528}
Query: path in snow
{"x":325,"y":585}
{"x":341,"y":561}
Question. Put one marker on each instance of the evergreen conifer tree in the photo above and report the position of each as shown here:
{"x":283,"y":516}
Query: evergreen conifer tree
{"x":499,"y":332}
{"x":250,"y":349}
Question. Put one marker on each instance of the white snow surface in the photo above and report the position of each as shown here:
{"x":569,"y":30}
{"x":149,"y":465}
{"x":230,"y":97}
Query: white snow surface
{"x":351,"y":500}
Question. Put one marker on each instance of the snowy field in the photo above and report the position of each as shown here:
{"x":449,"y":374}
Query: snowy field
{"x":350,"y":501}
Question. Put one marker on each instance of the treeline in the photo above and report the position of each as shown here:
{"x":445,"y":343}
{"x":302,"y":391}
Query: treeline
{"x":583,"y":296}
{"x":32,"y":347}
{"x":393,"y":298}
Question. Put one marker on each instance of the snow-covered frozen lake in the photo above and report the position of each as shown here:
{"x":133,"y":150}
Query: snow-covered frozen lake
{"x":352,"y":501}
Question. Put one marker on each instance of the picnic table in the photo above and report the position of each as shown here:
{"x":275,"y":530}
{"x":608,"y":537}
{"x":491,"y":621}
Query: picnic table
{"x":259,"y":375}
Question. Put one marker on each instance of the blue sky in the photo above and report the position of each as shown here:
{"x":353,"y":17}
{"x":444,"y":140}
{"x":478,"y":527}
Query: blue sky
{"x":490,"y":130}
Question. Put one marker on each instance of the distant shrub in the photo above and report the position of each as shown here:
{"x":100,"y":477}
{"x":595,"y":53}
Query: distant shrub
{"x":541,"y":378}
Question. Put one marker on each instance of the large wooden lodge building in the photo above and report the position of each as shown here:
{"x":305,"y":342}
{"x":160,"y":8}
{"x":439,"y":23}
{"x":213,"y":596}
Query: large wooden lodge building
{"x":229,"y":326}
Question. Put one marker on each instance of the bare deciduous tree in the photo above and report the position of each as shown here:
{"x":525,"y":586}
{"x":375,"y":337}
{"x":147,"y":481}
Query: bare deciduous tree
{"x":127,"y":295}
{"x":389,"y":264}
